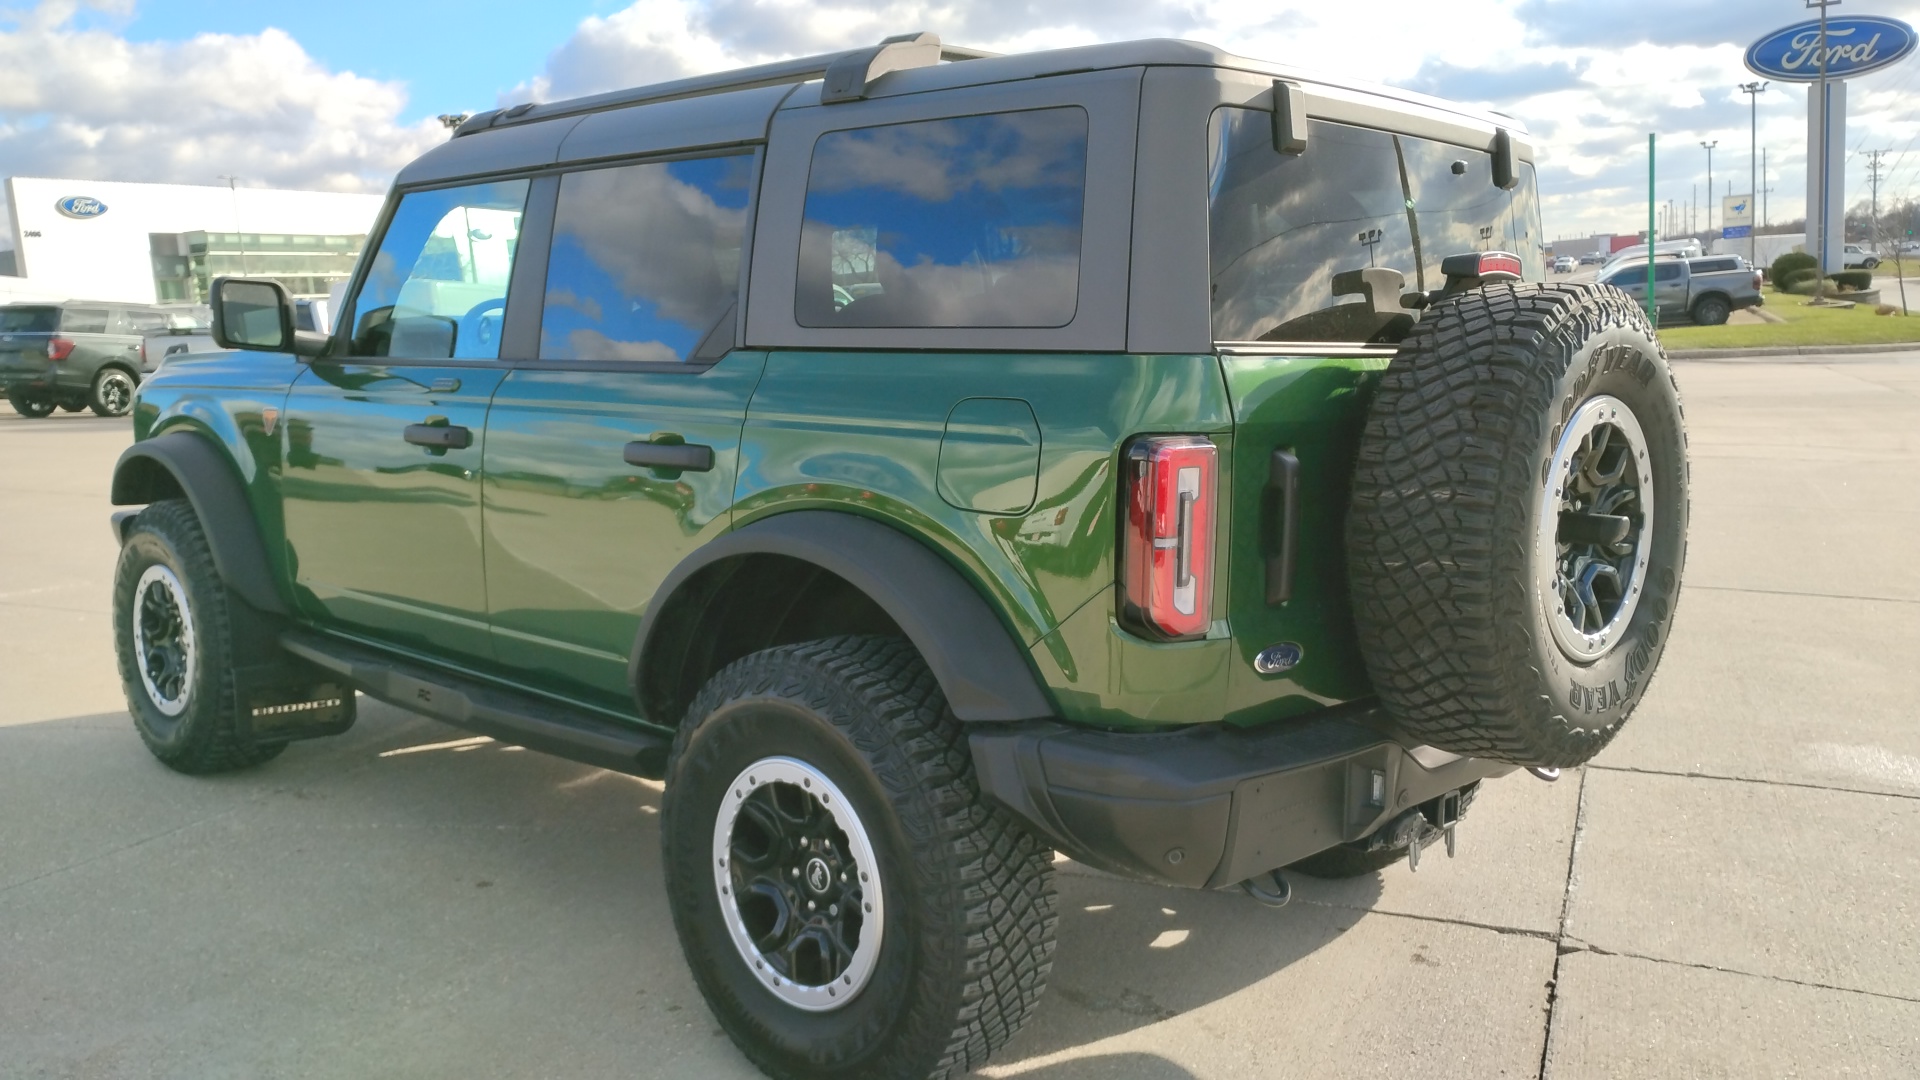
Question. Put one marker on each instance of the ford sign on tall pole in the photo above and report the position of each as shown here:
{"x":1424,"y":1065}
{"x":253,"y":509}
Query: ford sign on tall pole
{"x":1826,"y":52}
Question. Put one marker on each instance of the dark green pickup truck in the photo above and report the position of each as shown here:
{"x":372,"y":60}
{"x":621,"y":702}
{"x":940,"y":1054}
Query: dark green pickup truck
{"x":924,"y":462}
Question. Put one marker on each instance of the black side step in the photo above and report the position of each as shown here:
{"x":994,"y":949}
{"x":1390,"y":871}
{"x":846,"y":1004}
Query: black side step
{"x":516,"y":719}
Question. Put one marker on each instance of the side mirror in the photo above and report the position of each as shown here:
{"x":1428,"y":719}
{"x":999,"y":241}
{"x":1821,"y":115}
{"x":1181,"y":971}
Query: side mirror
{"x":252,"y":314}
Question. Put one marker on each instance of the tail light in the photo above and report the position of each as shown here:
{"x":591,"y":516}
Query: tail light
{"x":143,"y":353}
{"x":1757,"y":279}
{"x":59,"y":348}
{"x":1166,"y":575}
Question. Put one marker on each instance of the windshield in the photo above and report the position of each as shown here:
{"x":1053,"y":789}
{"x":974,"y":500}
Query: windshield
{"x":29,"y":320}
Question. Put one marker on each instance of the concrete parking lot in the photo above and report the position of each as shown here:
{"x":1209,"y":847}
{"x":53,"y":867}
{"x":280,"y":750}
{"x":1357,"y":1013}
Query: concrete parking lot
{"x":1732,"y":889}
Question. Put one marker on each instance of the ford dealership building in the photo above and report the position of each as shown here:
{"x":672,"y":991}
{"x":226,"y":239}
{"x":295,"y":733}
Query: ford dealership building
{"x":147,"y":243}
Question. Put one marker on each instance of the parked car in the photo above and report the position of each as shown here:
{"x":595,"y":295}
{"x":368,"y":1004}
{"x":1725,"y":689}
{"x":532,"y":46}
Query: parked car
{"x":1564,"y":264}
{"x":74,"y":355}
{"x":925,"y":468}
{"x":1707,"y":290}
{"x":1859,"y":257}
{"x":1592,"y":258}
{"x":188,"y":328}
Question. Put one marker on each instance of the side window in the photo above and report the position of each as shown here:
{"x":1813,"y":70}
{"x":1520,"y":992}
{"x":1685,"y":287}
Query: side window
{"x":646,"y":261}
{"x":1666,"y":272}
{"x":967,"y":222}
{"x":437,"y":286}
{"x":84,"y":321}
{"x":144,"y":322}
{"x":1291,"y":234}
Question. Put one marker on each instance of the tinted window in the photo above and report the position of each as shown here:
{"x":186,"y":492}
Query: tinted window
{"x":29,"y":320}
{"x":646,"y":261}
{"x":437,"y":287}
{"x":84,"y":321}
{"x":1713,"y":266}
{"x":973,"y":221}
{"x":1666,"y":272}
{"x":1292,"y":235}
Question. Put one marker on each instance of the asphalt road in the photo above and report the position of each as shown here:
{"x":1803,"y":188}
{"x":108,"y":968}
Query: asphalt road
{"x":1730,"y":890}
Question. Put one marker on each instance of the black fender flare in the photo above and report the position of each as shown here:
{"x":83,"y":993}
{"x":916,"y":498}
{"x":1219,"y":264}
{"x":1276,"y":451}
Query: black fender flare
{"x":982,"y":670}
{"x":212,"y":484}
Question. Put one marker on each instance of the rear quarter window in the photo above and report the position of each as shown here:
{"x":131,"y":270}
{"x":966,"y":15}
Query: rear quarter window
{"x":971,"y":221}
{"x":29,"y":320}
{"x":84,"y":321}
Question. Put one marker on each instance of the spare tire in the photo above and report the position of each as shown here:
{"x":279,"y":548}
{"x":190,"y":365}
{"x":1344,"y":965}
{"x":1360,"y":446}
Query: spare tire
{"x":1519,"y":522}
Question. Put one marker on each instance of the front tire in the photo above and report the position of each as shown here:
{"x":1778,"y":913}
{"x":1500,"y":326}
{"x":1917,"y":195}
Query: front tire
{"x":172,"y":628}
{"x":849,"y":903}
{"x":112,"y":392}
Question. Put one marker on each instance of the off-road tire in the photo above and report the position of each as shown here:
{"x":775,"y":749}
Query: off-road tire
{"x":31,"y":408}
{"x":202,"y":738}
{"x":112,"y":392}
{"x":1711,"y":311}
{"x":1447,"y":498}
{"x":970,"y":911}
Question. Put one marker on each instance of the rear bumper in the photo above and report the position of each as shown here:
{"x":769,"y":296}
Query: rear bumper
{"x":1211,"y":806}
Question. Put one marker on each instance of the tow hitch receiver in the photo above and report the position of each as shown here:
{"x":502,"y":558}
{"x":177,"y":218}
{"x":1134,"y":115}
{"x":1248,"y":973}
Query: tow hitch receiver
{"x":1444,"y":814}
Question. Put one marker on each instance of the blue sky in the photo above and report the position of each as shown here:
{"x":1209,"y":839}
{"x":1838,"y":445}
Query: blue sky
{"x":453,"y":56}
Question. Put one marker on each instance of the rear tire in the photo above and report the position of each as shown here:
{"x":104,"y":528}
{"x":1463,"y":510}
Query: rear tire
{"x":1519,"y":522}
{"x":949,"y":957}
{"x":1711,"y":311}
{"x":112,"y":392}
{"x":31,"y":408}
{"x":172,"y":628}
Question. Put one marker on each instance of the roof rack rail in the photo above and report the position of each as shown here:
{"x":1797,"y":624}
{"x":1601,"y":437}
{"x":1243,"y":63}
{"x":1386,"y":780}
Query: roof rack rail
{"x":848,"y":75}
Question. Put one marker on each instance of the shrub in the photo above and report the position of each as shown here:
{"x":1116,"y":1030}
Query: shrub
{"x":1852,"y":279}
{"x":1784,"y":266}
{"x":1886,"y":309}
{"x":1797,"y":278}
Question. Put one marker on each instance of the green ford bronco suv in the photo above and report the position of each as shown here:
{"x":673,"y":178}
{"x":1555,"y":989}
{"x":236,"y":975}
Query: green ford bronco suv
{"x":925,"y":462}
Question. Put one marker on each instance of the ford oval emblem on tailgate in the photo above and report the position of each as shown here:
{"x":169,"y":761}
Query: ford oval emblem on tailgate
{"x":80,"y":206}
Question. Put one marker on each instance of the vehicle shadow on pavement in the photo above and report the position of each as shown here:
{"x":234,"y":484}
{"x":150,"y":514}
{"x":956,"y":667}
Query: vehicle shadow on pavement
{"x":526,"y":889}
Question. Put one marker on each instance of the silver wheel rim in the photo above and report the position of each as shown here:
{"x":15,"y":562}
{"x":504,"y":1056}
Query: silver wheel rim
{"x":795,"y":871}
{"x":1589,"y":583}
{"x":163,"y":644}
{"x":116,"y":392}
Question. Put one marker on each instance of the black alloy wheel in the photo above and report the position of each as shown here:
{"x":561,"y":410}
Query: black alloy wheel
{"x":32,"y":408}
{"x":112,"y":393}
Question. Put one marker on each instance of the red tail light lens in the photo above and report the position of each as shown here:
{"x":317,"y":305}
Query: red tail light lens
{"x":59,"y":348}
{"x":1166,"y":574}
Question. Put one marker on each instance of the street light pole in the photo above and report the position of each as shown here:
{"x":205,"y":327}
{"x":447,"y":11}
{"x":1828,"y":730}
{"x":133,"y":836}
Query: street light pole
{"x":1709,"y":148}
{"x":1753,"y":90}
{"x":1826,"y":152}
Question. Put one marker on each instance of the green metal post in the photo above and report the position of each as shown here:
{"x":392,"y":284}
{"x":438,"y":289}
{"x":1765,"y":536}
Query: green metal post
{"x":1653,"y":313}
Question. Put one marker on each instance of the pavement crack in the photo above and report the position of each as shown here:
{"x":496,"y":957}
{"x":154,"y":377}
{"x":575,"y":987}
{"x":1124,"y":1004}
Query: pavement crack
{"x":1562,"y":944}
{"x":1598,"y":950}
{"x":1691,"y":775}
{"x":111,"y":852}
{"x":1802,"y":593}
{"x":1510,"y":931}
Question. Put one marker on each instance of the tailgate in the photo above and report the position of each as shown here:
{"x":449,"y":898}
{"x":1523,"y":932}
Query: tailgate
{"x":1311,"y":408}
{"x":23,"y":354}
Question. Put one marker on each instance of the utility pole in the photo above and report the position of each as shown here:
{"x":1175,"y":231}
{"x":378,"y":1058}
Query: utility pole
{"x":1753,"y":90}
{"x":1873,"y":179}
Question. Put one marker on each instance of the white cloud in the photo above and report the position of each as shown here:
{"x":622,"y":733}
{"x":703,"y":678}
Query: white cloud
{"x":1589,"y":80}
{"x":85,"y":102}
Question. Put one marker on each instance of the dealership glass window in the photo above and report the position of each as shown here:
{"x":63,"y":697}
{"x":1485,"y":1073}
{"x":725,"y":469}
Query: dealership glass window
{"x":645,"y":264}
{"x":963,"y":222}
{"x":437,"y":286}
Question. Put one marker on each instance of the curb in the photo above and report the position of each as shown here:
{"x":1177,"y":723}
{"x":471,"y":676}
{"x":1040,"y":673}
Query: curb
{"x":1791,"y":350}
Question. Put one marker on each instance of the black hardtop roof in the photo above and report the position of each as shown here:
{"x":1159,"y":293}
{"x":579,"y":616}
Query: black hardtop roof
{"x":919,"y":72}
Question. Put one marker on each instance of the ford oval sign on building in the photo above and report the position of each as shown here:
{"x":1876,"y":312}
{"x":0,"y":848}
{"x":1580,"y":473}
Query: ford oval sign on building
{"x":1856,"y":44}
{"x":80,"y":206}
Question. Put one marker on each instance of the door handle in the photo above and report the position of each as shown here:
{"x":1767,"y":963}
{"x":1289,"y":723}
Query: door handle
{"x":1283,"y":492}
{"x":439,"y":436}
{"x":688,"y":457}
